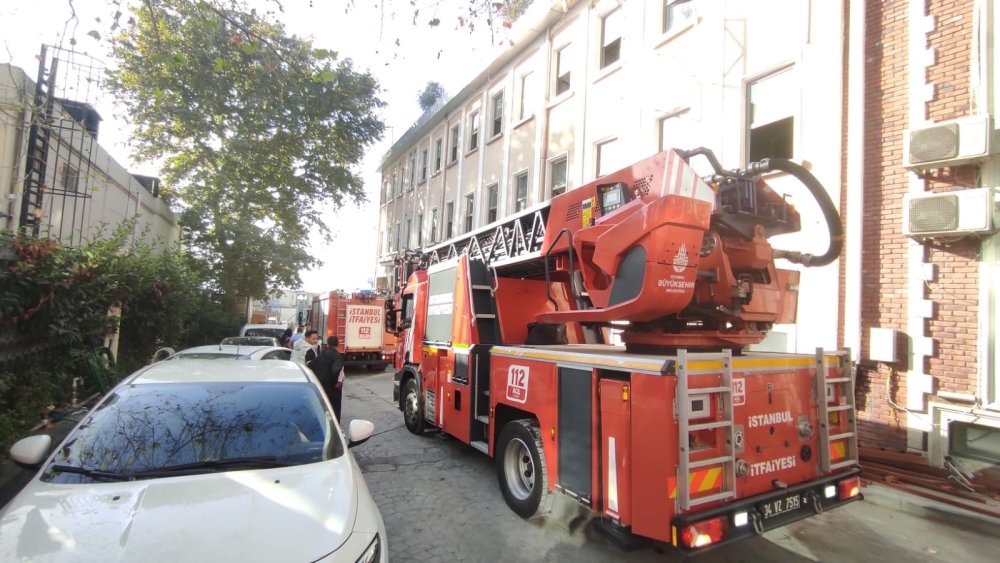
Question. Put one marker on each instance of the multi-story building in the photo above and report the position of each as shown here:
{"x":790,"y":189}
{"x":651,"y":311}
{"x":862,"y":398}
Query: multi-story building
{"x":75,"y":190}
{"x":589,"y":87}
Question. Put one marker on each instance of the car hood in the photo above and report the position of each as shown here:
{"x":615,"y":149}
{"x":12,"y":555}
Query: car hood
{"x":293,"y":514}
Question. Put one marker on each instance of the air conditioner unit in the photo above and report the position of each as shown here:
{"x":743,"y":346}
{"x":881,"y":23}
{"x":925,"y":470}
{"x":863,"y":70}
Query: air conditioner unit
{"x":951,"y":214}
{"x":948,"y":143}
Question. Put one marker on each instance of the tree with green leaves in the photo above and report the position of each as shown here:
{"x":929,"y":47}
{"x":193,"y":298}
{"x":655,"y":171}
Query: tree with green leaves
{"x":430,"y":95}
{"x":258,"y":132}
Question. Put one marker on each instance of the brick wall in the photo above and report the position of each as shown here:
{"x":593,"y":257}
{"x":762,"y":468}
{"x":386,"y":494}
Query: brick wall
{"x":955,"y":288}
{"x":884,"y":250}
{"x":884,"y":295}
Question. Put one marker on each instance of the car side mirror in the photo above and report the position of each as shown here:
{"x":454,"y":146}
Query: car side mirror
{"x":359,"y":432}
{"x":31,"y":451}
{"x":390,"y":317}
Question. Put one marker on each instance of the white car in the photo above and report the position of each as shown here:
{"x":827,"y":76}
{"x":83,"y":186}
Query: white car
{"x":199,"y":461}
{"x":223,"y":351}
{"x":274,"y":330}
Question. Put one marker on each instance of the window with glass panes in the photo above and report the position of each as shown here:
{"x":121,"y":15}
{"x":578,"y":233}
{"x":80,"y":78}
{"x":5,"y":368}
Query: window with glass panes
{"x":561,"y":80}
{"x":557,"y":176}
{"x":449,"y":219}
{"x":521,"y":191}
{"x":676,"y":13}
{"x":524,"y":110}
{"x":434,"y":224}
{"x":493,"y":194}
{"x":423,"y":165}
{"x":474,"y":131}
{"x":470,"y":208}
{"x":497,"y":115}
{"x":453,"y":149}
{"x":611,"y":37}
{"x":438,"y":153}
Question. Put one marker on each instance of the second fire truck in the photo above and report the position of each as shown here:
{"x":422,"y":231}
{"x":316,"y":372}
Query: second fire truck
{"x":681,"y":435}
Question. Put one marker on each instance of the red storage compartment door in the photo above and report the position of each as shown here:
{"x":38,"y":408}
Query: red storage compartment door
{"x":615,"y":450}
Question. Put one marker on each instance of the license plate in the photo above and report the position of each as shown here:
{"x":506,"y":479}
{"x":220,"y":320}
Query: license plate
{"x":775,"y":507}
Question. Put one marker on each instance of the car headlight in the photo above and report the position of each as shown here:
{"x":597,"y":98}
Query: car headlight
{"x":372,"y":552}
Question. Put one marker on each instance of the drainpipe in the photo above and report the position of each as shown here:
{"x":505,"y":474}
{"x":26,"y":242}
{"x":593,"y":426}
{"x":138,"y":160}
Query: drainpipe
{"x":855,"y":180}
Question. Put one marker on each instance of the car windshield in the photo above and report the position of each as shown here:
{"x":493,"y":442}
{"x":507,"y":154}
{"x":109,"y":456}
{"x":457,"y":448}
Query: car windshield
{"x":154,"y":428}
{"x":209,"y":356}
{"x":276,"y":332}
{"x":249,"y":341}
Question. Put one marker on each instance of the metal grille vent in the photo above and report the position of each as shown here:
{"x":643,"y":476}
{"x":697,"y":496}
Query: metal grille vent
{"x":641,"y":186}
{"x":573,"y":211}
{"x":934,"y":214}
{"x":934,"y":143}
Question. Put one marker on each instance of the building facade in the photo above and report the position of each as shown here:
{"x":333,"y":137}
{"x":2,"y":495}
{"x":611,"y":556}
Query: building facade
{"x":76,"y":191}
{"x":590,"y":87}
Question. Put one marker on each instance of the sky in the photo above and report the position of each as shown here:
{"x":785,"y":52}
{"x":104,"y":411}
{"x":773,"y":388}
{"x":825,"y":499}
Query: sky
{"x":366,"y":32}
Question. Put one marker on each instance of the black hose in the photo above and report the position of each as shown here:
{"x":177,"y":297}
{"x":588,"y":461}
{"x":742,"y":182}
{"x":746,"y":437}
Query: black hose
{"x":830,"y":213}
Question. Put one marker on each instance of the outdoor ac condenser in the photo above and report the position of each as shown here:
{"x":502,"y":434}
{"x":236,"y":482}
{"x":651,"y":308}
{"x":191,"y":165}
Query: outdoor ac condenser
{"x":952,"y":214}
{"x":948,"y":143}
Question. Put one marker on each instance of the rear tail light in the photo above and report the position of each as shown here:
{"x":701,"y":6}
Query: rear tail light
{"x":849,"y":488}
{"x":703,"y":533}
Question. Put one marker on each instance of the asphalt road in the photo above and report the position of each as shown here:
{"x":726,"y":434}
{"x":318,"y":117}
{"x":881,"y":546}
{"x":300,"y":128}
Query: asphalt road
{"x":441,"y":502}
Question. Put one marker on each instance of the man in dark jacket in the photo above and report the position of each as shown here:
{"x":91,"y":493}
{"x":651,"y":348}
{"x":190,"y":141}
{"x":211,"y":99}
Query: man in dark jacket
{"x":328,"y":367}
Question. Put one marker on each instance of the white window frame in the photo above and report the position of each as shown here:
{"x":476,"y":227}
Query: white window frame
{"x":518,"y":199}
{"x":449,"y":220}
{"x":496,"y":117}
{"x":438,"y":154}
{"x":791,"y":72}
{"x":615,"y":46}
{"x":526,"y":108}
{"x":473,"y":132}
{"x":669,"y":23}
{"x":599,"y":151}
{"x":470,"y":212}
{"x":423,"y":166}
{"x":564,"y":159}
{"x":420,"y":230}
{"x":493,"y":202}
{"x":413,"y":171}
{"x":455,"y":138}
{"x":560,"y":62}
{"x":434,"y":225}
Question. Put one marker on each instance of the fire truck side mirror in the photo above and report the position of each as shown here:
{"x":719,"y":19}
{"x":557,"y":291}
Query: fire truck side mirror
{"x":390,"y":317}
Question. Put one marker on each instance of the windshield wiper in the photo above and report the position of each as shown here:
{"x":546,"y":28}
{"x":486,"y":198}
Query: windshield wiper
{"x":95,"y":473}
{"x":251,"y":462}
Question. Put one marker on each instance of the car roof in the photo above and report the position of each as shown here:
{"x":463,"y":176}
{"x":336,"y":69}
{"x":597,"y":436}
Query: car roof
{"x":221,"y":371}
{"x":234,"y":349}
{"x":272,"y":325}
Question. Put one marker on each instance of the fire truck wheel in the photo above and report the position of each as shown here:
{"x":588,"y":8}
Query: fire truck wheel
{"x":413,"y":412}
{"x":521,"y":469}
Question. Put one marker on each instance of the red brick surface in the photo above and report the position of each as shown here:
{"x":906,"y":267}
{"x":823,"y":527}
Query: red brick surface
{"x":885,"y":258}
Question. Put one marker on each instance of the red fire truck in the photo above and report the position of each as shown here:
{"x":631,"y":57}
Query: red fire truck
{"x":681,"y":435}
{"x":358,"y":320}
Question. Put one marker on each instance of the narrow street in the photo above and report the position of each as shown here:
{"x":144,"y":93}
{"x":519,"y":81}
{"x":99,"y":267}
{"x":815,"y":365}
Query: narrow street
{"x":441,"y":502}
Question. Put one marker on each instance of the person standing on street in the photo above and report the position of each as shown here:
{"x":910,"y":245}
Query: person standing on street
{"x":304,"y":345}
{"x":299,"y":335}
{"x":329,"y":369}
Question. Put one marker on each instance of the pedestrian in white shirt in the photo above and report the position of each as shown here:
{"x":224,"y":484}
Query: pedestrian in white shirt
{"x":303,"y":345}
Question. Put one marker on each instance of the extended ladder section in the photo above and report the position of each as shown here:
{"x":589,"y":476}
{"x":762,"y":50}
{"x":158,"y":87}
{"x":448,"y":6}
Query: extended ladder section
{"x":483,"y":307}
{"x":342,"y":320}
{"x":835,"y":402}
{"x":483,"y":303}
{"x":723,"y":420}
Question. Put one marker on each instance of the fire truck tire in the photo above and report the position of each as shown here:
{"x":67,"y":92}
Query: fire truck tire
{"x":413,"y":409}
{"x":521,"y":469}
